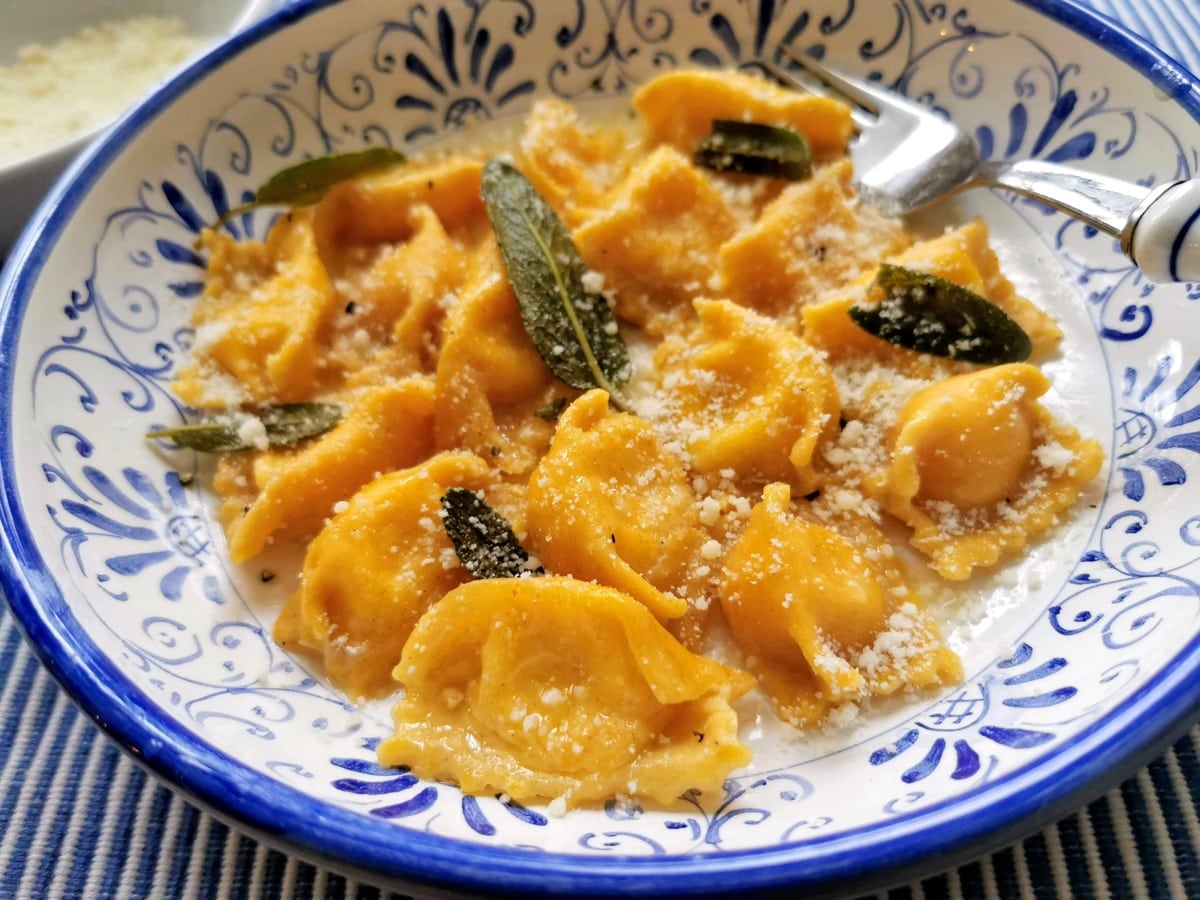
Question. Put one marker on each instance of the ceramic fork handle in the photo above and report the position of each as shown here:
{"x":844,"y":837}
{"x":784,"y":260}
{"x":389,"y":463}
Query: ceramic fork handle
{"x":1159,"y":228}
{"x":1163,"y":234}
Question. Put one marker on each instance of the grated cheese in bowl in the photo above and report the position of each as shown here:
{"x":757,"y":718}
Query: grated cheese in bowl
{"x":69,"y":68}
{"x":55,"y":92}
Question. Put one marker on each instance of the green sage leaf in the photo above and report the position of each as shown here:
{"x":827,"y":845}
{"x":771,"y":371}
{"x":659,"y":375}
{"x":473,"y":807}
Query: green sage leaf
{"x":282,"y":425}
{"x":482,"y":538}
{"x":306,"y":183}
{"x":754,"y":149}
{"x":929,"y":314}
{"x":575,"y":332}
{"x":552,"y":410}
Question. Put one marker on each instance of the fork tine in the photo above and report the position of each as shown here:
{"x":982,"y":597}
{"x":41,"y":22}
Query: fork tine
{"x":906,"y":155}
{"x":868,"y":94}
{"x":853,"y":90}
{"x":862,"y":118}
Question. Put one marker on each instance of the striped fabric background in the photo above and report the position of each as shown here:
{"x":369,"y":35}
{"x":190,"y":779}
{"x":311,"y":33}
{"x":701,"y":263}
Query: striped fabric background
{"x":1170,"y":25}
{"x":81,"y":820}
{"x":78,"y":819}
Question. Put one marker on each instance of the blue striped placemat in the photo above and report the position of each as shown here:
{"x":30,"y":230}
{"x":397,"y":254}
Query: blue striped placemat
{"x":1170,"y":25}
{"x":80,"y":819}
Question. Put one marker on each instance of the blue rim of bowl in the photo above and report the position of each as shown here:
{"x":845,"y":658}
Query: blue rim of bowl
{"x":923,"y":842}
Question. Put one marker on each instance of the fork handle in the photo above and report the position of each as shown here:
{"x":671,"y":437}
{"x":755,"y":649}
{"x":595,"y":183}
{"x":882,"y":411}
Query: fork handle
{"x":1163,"y":233}
{"x":1159,"y":228}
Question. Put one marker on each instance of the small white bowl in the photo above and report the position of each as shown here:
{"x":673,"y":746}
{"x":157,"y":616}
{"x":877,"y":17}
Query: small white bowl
{"x":24,"y":182}
{"x":1081,"y":662}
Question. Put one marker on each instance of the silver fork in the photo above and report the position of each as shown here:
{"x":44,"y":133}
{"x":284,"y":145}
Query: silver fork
{"x":907,"y":156}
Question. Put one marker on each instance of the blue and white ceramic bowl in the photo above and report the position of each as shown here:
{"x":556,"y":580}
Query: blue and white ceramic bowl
{"x":1081,"y":659}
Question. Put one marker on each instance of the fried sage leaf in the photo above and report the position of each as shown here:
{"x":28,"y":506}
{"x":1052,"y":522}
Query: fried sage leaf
{"x":306,"y":183}
{"x":279,"y":426}
{"x":929,"y":314}
{"x":552,"y":410}
{"x":574,"y":331}
{"x":754,"y":149}
{"x":482,"y":538}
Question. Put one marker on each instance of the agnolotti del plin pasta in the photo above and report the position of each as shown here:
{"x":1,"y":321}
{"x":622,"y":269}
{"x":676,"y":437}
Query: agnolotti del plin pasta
{"x":738,"y":497}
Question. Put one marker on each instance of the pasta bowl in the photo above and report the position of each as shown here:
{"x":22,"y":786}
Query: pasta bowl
{"x":1080,"y":658}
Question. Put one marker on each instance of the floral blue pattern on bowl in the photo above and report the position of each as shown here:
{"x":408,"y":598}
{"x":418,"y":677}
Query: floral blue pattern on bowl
{"x":1078,"y":661}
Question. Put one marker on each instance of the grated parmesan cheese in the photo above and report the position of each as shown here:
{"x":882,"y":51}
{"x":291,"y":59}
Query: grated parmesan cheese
{"x":53,"y":93}
{"x":253,"y":433}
